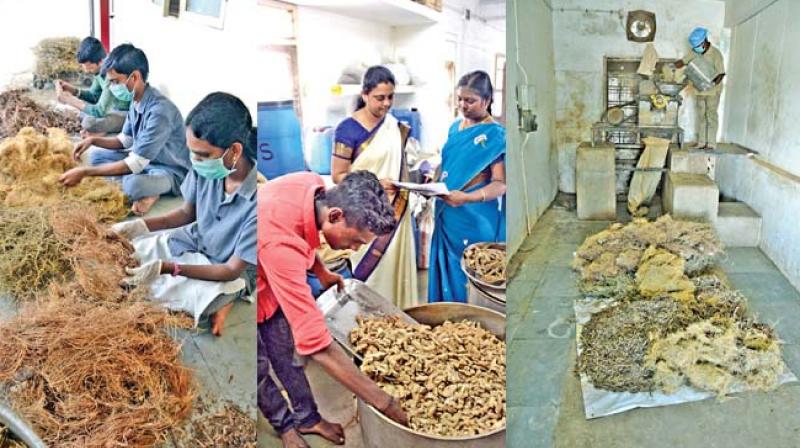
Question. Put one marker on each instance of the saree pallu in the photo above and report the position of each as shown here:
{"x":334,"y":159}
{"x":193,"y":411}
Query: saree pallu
{"x":466,"y":154}
{"x":387,"y":264}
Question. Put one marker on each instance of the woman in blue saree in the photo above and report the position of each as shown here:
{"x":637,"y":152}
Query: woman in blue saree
{"x":473,"y":169}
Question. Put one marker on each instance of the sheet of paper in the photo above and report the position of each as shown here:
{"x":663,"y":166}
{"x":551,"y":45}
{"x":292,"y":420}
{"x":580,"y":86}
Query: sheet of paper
{"x":432,"y":189}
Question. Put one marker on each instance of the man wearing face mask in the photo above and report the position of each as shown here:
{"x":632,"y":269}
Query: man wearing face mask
{"x":207,"y":259}
{"x":101,"y":112}
{"x":149,"y":157}
{"x":708,"y":101}
{"x":293,"y":212}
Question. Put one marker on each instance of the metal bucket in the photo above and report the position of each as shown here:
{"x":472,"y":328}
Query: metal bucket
{"x":702,"y":73}
{"x":492,"y":298}
{"x":381,"y":432}
{"x":20,"y":428}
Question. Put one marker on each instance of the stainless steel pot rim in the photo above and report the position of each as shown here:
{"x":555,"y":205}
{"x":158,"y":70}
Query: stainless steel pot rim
{"x":472,"y":276}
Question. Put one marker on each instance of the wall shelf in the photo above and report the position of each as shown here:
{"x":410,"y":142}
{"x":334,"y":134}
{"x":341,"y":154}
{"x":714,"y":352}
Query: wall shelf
{"x":389,"y":12}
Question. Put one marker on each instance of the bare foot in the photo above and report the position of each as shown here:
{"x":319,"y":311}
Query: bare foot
{"x":333,"y":432}
{"x":218,"y":319}
{"x":293,"y":439}
{"x":143,"y":205}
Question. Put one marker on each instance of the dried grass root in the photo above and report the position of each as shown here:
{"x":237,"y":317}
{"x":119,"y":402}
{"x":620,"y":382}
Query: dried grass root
{"x":30,"y":165}
{"x":450,"y":379}
{"x":42,"y":245}
{"x":57,"y":56}
{"x":616,"y":340}
{"x":227,"y":428}
{"x":95,"y":376}
{"x":18,"y":111}
{"x":486,"y":262}
{"x":696,"y":243}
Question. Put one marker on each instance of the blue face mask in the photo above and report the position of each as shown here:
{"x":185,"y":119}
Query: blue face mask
{"x":120,"y":90}
{"x":700,"y":49}
{"x":212,"y":168}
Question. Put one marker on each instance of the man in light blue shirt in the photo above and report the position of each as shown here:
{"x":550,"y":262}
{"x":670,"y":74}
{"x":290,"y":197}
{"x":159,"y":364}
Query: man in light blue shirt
{"x":149,"y":157}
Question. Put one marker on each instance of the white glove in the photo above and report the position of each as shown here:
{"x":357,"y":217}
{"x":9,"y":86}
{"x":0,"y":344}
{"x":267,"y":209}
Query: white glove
{"x":131,"y":229}
{"x":143,"y":275}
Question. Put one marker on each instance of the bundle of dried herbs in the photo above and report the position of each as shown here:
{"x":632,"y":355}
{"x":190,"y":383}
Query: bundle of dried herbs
{"x":57,"y":56}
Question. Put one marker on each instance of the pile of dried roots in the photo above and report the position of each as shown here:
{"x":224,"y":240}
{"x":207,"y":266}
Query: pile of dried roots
{"x":57,"y":56}
{"x":18,"y":110}
{"x":42,"y":245}
{"x":487,"y":262}
{"x":671,"y":322}
{"x":228,"y":428}
{"x":714,"y":354}
{"x":607,"y":261}
{"x":616,"y":341}
{"x":450,"y":379}
{"x":30,"y":165}
{"x":95,"y":376}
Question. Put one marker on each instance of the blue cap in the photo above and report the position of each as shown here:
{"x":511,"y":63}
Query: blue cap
{"x":698,"y":36}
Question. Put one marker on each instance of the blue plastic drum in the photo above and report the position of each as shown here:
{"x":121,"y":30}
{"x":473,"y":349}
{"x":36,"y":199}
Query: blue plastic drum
{"x":280,"y":144}
{"x":412,"y":118}
{"x":322,"y":150}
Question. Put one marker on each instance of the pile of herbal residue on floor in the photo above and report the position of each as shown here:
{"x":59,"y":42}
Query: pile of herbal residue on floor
{"x":671,"y":320}
{"x":18,"y":110}
{"x":44,"y":245}
{"x":227,"y":427}
{"x":30,"y":166}
{"x":449,"y":379}
{"x":85,"y":361}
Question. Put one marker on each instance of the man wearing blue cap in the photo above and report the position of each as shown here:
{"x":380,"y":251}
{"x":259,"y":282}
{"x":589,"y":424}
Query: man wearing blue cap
{"x":708,"y":101}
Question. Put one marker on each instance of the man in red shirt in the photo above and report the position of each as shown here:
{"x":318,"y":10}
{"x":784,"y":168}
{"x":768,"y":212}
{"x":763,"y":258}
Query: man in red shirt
{"x":292,"y":211}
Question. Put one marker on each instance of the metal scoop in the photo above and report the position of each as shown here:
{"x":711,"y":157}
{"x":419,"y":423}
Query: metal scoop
{"x":341,"y":309}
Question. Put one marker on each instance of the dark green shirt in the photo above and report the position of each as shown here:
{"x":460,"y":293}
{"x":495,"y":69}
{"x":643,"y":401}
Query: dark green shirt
{"x":99,"y":99}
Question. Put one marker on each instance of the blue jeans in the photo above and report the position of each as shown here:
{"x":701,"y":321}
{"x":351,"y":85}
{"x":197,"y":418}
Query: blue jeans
{"x":150,"y":182}
{"x":316,"y":288}
{"x":276,"y":351}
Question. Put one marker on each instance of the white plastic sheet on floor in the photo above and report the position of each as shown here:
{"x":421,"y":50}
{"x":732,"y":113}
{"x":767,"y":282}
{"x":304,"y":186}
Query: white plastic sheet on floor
{"x":602,"y":403}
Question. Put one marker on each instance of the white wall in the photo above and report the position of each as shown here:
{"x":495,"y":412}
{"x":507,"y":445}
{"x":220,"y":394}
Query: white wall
{"x":423,"y":48}
{"x":25,"y":23}
{"x":188,"y":60}
{"x":762,"y":114}
{"x":479,"y":39}
{"x":583,"y":38}
{"x":532,"y":168}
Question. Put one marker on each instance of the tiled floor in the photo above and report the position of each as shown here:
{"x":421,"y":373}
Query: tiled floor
{"x":545,"y":406}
